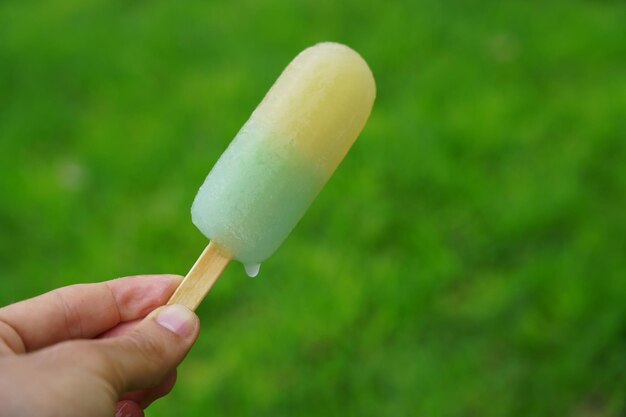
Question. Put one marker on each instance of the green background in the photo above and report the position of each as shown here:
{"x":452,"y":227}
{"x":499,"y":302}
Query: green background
{"x":467,"y":259}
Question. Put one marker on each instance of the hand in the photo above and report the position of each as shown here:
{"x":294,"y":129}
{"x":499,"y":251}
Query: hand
{"x":84,"y":350}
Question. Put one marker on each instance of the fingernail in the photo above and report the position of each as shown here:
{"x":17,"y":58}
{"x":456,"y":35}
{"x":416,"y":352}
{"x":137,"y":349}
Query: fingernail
{"x":178,"y":319}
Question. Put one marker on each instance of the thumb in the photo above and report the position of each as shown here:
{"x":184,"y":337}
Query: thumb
{"x":144,"y":356}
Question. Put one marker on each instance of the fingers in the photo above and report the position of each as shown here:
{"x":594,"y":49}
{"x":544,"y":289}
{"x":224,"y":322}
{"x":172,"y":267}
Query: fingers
{"x":82,"y":311}
{"x":143,"y":397}
{"x":92,"y":375}
{"x":143,"y":357}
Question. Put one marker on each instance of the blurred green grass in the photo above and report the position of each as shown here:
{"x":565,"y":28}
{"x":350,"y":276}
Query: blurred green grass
{"x":467,"y":259}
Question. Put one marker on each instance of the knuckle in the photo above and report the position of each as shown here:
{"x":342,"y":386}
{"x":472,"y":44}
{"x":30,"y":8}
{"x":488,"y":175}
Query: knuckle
{"x":71,"y":316}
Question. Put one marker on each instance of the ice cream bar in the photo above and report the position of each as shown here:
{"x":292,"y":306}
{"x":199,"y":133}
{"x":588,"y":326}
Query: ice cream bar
{"x":281,"y":158}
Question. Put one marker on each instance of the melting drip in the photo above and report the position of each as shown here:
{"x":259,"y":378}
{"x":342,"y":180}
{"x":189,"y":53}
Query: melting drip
{"x":252,"y":270}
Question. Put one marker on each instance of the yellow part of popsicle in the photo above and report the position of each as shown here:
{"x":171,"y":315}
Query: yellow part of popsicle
{"x":319,"y":104}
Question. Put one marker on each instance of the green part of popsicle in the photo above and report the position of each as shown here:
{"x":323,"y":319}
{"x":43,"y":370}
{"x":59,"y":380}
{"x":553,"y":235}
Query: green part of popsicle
{"x":250,"y":210}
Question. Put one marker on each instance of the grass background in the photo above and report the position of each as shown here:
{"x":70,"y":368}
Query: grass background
{"x":467,"y":259}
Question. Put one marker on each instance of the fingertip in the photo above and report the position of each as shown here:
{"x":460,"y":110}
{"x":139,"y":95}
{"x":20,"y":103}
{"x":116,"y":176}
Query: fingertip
{"x":127,"y":408}
{"x":177,"y":319}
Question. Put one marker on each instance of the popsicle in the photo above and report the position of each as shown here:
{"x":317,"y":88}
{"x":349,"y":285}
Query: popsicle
{"x":279,"y":161}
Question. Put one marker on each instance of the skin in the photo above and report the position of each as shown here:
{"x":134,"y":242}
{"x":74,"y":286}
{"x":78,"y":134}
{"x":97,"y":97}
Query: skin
{"x":93,"y":349}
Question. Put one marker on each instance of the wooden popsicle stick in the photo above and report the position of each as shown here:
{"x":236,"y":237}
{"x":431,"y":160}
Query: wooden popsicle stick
{"x":201,"y":277}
